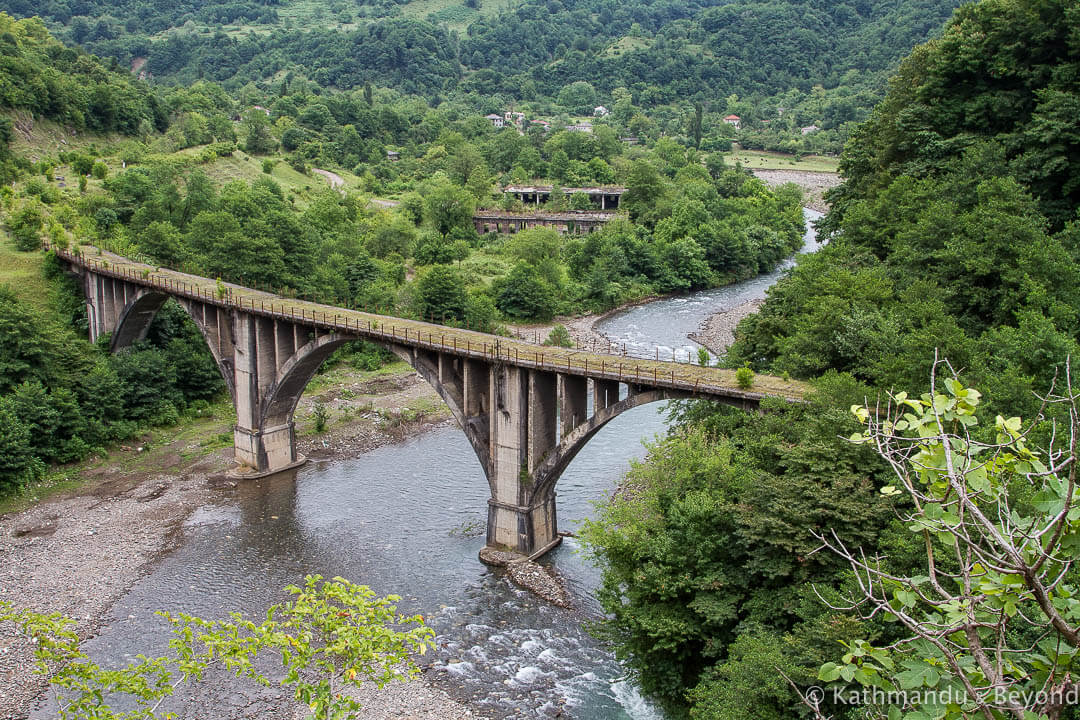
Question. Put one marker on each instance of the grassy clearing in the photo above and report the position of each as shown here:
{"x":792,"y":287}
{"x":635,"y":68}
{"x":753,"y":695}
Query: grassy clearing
{"x":22,"y":272}
{"x":760,"y":159}
{"x":344,"y":374}
{"x":627,"y":44}
{"x":248,"y":168}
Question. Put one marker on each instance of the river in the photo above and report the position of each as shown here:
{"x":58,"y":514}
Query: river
{"x":408,"y":519}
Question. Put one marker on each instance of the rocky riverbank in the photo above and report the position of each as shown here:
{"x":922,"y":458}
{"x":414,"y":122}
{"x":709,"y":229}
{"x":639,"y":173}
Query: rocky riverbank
{"x":813,"y":184}
{"x":78,"y":552}
{"x":718,"y":331}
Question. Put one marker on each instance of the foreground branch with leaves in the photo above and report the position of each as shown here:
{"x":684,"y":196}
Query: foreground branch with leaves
{"x":331,"y":635}
{"x":993,"y":625}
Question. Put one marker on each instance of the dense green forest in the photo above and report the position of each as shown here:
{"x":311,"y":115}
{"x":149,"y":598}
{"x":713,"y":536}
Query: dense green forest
{"x":681,"y":48}
{"x":955,"y":232}
{"x":780,"y":65}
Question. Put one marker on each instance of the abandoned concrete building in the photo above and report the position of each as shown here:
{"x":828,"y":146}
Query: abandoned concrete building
{"x":574,"y":223}
{"x":606,"y":197}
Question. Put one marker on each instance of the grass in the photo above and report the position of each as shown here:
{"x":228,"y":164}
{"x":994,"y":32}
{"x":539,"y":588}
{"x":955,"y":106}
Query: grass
{"x":248,"y":168}
{"x":36,"y":138}
{"x":763,"y":160}
{"x":341,"y":373}
{"x":627,"y":44}
{"x":457,"y":16}
{"x":22,"y":272}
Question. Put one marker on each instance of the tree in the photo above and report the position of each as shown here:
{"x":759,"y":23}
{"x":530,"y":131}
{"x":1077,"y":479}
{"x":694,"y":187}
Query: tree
{"x":523,"y":293}
{"x":991,"y":625}
{"x":644,"y":188}
{"x":441,"y":295}
{"x":578,"y":96}
{"x":331,"y":635}
{"x":17,"y":462}
{"x":447,"y":208}
{"x":164,"y":243}
{"x":25,"y":225}
{"x":257,"y":137}
{"x":694,"y":125}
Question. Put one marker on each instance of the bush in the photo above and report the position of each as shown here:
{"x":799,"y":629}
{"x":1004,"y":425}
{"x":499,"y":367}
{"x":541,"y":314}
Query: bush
{"x":744,"y":377}
{"x":321,"y":416}
{"x":268,"y":166}
{"x":100,"y":170}
{"x":559,"y":337}
{"x":25,"y":226}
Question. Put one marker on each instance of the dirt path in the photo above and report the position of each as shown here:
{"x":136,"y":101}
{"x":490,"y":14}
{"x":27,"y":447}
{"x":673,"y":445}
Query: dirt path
{"x":77,"y":553}
{"x":335,"y":180}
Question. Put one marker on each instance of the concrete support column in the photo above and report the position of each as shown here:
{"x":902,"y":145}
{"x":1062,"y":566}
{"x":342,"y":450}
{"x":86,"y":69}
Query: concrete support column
{"x":516,"y":520}
{"x":266,"y":451}
{"x":543,"y":418}
{"x":91,"y":291}
{"x":605,"y":393}
{"x":263,"y":450}
{"x":573,"y":403}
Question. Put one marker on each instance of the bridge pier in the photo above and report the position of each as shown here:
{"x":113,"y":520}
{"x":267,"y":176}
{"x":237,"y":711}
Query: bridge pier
{"x":521,"y":516}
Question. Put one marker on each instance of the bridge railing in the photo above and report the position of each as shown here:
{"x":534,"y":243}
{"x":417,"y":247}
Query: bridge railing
{"x":651,"y":370}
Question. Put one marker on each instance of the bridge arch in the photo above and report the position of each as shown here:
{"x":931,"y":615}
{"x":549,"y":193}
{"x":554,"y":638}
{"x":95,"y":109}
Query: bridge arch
{"x":138,"y":315}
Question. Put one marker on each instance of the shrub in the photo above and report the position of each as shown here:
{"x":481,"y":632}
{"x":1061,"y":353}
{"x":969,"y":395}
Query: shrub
{"x":559,"y":337}
{"x":744,"y":377}
{"x":321,"y":416}
{"x":100,"y":170}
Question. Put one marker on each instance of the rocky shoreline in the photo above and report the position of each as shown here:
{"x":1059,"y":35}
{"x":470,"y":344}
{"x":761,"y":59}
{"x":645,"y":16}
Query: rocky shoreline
{"x":717,"y":333}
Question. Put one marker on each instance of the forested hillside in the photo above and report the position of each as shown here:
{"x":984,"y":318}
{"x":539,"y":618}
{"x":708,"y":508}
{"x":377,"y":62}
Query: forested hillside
{"x":675,"y":49}
{"x":955,"y":235}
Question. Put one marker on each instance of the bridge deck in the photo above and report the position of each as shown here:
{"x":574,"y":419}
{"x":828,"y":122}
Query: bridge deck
{"x":684,"y":377}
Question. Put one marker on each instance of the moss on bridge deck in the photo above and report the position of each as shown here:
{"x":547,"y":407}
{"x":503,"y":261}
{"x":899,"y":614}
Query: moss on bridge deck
{"x":683,"y":377}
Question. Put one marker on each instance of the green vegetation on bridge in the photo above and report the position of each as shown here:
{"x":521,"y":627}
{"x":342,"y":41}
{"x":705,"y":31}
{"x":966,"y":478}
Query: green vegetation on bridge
{"x":685,"y":377}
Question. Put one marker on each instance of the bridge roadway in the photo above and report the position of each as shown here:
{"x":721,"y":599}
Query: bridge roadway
{"x":527,"y":409}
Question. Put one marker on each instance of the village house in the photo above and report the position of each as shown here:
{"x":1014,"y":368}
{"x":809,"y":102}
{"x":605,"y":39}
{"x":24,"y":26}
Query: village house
{"x":496,"y":120}
{"x":734,"y":120}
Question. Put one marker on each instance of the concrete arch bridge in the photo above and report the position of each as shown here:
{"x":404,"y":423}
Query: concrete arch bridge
{"x":524,"y":407}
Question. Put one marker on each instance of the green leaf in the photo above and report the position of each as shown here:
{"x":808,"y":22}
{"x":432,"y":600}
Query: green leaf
{"x":829,"y":672}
